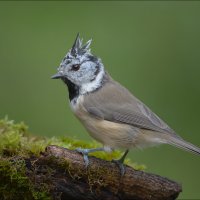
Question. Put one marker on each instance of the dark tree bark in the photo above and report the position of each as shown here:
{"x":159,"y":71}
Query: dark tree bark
{"x":66,"y":177}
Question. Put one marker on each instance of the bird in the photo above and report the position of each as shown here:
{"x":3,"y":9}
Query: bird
{"x":111,"y":114}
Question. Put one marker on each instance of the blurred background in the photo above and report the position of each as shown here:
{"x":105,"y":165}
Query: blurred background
{"x":152,"y":48}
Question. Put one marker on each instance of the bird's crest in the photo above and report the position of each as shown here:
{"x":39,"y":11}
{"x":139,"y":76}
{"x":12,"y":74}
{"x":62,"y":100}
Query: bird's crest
{"x":78,"y":49}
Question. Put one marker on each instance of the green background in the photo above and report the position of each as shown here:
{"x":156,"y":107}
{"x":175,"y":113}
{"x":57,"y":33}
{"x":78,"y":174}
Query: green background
{"x":152,"y":48}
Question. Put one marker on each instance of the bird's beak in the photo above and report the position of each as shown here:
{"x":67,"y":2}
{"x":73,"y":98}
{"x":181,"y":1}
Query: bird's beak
{"x":57,"y":76}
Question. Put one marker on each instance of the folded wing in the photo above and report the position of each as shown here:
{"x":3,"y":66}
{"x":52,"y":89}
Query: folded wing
{"x":115,"y":103}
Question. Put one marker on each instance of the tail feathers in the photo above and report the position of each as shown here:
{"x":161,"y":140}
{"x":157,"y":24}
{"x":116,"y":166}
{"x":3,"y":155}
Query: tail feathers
{"x":180,"y":143}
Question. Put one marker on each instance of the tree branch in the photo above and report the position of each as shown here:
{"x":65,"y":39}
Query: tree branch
{"x":65,"y":174}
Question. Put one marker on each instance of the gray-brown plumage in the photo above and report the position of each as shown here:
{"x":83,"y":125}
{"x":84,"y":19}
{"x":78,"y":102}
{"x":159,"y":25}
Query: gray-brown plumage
{"x":110,"y":113}
{"x":115,"y":104}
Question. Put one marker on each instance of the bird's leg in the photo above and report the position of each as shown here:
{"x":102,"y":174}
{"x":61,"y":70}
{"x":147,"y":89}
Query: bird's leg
{"x":121,"y":161}
{"x":85,"y":153}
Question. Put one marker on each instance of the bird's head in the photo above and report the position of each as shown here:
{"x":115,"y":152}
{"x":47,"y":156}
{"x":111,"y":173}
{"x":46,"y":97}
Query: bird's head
{"x":80,"y":66}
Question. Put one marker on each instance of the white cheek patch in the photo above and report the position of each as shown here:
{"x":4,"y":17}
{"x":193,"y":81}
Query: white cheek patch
{"x":93,"y":85}
{"x":88,"y":65}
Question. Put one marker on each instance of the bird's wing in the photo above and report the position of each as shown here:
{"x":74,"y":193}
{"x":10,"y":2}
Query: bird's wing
{"x":115,"y":103}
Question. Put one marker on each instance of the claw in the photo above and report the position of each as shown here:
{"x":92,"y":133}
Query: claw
{"x":84,"y":152}
{"x":121,"y":166}
{"x":120,"y":163}
{"x":86,"y":160}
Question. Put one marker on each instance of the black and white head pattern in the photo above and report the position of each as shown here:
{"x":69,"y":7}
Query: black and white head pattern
{"x":81,"y":67}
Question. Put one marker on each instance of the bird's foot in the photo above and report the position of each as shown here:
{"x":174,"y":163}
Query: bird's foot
{"x":84,"y":152}
{"x":121,"y":166}
{"x":120,"y":163}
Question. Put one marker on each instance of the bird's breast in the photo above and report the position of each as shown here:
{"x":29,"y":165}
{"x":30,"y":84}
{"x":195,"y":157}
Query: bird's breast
{"x":76,"y":104}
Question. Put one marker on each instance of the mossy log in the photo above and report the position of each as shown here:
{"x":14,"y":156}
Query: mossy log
{"x":64,"y":172}
{"x":38,"y":168}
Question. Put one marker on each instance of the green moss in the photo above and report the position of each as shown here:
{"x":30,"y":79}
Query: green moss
{"x":14,"y":182}
{"x":17,"y":144}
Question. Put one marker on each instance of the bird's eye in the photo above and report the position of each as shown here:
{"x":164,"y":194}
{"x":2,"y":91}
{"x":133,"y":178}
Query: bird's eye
{"x":75,"y":67}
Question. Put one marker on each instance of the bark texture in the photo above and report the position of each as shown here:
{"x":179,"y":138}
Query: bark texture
{"x":66,"y":177}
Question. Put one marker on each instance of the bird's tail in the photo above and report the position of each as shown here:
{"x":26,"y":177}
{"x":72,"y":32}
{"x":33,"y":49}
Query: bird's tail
{"x":182,"y":144}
